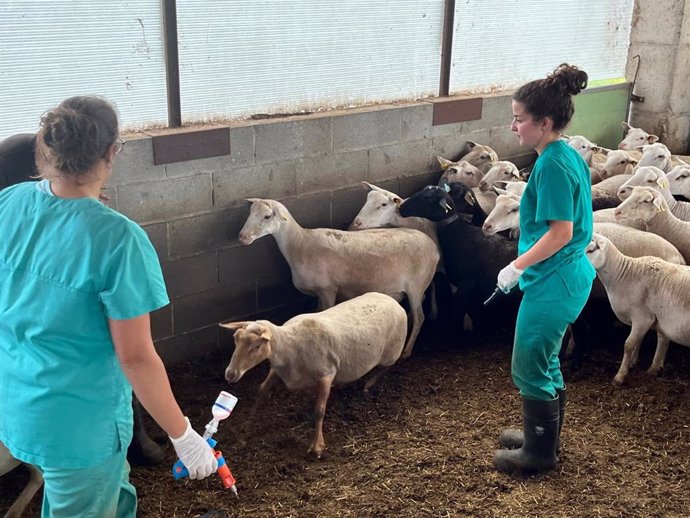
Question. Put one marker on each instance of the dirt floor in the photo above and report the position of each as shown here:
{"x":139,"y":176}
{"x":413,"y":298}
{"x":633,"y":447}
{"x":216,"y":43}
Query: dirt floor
{"x":422,"y":445}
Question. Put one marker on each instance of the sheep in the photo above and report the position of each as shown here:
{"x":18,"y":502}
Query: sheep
{"x":644,"y":292}
{"x":381,"y":210}
{"x":589,"y":151}
{"x":658,"y":155}
{"x":635,"y":138}
{"x":505,"y":216}
{"x":679,"y":181}
{"x":516,"y":188}
{"x":480,"y":156}
{"x":7,"y":464}
{"x":461,"y":172}
{"x":502,"y":171}
{"x":654,"y":177}
{"x":472,"y":258}
{"x":609,"y":188}
{"x":617,"y":163}
{"x":316,"y":350}
{"x":648,"y":205}
{"x":331,"y":263}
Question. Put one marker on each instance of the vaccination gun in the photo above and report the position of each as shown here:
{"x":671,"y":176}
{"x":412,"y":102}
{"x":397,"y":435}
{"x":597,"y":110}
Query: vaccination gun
{"x":221,"y":409}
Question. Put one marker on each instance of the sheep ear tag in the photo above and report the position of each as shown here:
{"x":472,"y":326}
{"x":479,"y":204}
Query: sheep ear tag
{"x":663,"y":182}
{"x":659,"y":205}
{"x":444,"y":205}
{"x":446,"y":187}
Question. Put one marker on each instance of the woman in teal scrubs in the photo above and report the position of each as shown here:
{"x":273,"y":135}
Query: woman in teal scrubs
{"x":551,"y":267}
{"x":77,"y":283}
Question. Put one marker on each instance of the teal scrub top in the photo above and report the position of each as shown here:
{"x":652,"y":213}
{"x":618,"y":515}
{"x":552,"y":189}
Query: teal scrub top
{"x":559,"y":189}
{"x":66,"y":266}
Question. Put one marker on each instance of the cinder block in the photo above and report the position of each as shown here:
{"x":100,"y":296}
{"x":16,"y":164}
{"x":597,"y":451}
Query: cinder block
{"x":198,"y":310}
{"x":497,"y":111}
{"x":196,"y":344}
{"x":190,"y":236}
{"x":453,"y":147}
{"x":243,"y":263}
{"x":346,"y":205}
{"x":678,"y":140}
{"x":278,"y":141}
{"x":410,"y":185}
{"x":134,"y":163}
{"x":196,"y":167}
{"x":281,"y":314}
{"x":656,"y":21}
{"x":232,"y":186}
{"x":399,"y":160}
{"x":275,"y":292}
{"x":161,"y":323}
{"x":447,"y":130}
{"x":165,"y":199}
{"x":191,"y":274}
{"x":505,"y":143}
{"x":416,"y":122}
{"x":242,"y":146}
{"x":654,"y":79}
{"x":158,"y":234}
{"x":366,"y":129}
{"x":331,"y":171}
{"x":311,"y":210}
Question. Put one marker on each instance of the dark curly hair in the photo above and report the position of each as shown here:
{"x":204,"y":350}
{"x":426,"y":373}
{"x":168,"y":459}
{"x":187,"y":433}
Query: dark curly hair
{"x":552,"y":97}
{"x":77,"y":133}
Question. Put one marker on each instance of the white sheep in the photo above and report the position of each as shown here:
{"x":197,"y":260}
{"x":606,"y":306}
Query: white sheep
{"x":608,"y":188}
{"x":648,"y":205}
{"x":316,"y":350}
{"x":617,"y":162}
{"x":650,"y":176}
{"x":644,"y":292}
{"x":679,"y":180}
{"x":635,"y":138}
{"x":335,"y":264}
{"x":658,"y":155}
{"x":462,"y":171}
{"x":501,"y":171}
{"x":516,"y":188}
{"x":7,"y":464}
{"x":505,"y":216}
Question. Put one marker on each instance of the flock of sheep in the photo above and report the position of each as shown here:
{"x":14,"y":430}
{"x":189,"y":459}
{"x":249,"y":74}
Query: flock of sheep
{"x":463,"y":230}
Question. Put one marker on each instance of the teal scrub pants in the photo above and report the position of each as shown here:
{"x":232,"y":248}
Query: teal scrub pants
{"x":102,"y":491}
{"x":539,"y":331}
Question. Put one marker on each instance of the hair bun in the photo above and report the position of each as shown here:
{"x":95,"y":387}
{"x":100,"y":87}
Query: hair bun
{"x":568,"y":78}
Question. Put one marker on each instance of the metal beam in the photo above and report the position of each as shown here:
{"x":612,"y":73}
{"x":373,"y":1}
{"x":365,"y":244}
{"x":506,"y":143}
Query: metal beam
{"x":447,"y":47}
{"x":172,"y":63}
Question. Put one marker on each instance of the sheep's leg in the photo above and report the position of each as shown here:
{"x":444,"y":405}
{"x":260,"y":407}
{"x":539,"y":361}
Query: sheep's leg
{"x":323,"y":390}
{"x":374,"y":378}
{"x":34,"y":484}
{"x":659,"y":354}
{"x":417,"y":320}
{"x":637,"y":332}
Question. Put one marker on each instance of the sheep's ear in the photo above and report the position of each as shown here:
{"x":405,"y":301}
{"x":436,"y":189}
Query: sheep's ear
{"x":626,"y":126}
{"x":515,"y":172}
{"x":597,"y":149}
{"x":472,"y":144}
{"x":470,"y":198}
{"x":281,"y":214}
{"x":397,"y":200}
{"x":564,"y":136}
{"x":663,"y":182}
{"x":445,"y":164}
{"x":632,"y":162}
{"x":265,"y":333}
{"x":233,"y":326}
{"x":367,"y":186}
{"x":658,"y":202}
{"x":500,"y":191}
{"x":652,"y":139}
{"x":253,"y":200}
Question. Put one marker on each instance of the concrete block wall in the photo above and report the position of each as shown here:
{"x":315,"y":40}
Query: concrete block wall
{"x":660,"y":34}
{"x":193,"y":210}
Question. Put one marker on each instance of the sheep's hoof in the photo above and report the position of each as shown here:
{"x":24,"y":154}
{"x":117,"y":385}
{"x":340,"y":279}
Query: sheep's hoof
{"x":654,"y":371}
{"x":618,"y":380}
{"x":317,"y":451}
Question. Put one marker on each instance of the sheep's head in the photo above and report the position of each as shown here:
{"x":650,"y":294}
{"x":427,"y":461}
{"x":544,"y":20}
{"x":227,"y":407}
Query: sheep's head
{"x":636,"y":137}
{"x":647,"y":176}
{"x":657,"y":155}
{"x":462,"y":172}
{"x":504,"y":216}
{"x":380,"y":209}
{"x":679,"y":180}
{"x":431,"y":202}
{"x":643,"y":204}
{"x":502,"y":171}
{"x":265,"y":217}
{"x":252,"y":346}
{"x":597,"y":249}
{"x":617,"y":162}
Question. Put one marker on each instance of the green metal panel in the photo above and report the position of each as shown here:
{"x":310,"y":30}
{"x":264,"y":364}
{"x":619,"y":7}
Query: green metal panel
{"x":599,"y":113}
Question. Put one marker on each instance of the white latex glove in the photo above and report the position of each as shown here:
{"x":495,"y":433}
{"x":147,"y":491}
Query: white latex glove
{"x":195,"y":453}
{"x":508,"y":277}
